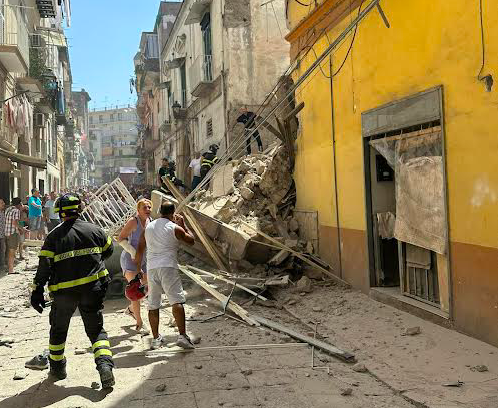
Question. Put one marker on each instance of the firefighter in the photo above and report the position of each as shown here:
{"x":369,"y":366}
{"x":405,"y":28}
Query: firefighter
{"x":209,"y":159}
{"x":72,"y":264}
{"x":170,"y":174}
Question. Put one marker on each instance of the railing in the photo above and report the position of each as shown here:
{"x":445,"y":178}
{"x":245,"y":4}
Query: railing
{"x":14,"y":30}
{"x":201,"y":71}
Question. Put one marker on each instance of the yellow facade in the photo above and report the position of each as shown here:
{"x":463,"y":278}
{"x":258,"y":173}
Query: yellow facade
{"x":429,"y":43}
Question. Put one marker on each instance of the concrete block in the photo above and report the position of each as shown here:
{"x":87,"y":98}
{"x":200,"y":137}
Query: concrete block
{"x":246,"y":193}
{"x":222,"y":182}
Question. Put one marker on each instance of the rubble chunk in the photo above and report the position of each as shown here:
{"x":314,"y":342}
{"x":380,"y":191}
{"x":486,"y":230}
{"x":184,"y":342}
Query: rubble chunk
{"x":161,"y":388}
{"x":293,"y":225}
{"x":276,"y":180}
{"x":279,"y":258}
{"x":411,"y":331}
{"x":312,"y":273}
{"x":246,"y":193}
{"x":304,"y":285}
{"x":360,"y":368}
{"x":480,"y":368}
{"x":346,"y":391}
{"x":244,"y":166}
{"x":260,"y":167}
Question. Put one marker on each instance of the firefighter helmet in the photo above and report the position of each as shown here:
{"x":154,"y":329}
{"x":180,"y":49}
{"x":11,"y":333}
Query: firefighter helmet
{"x":134,"y":289}
{"x":214,"y":148}
{"x":68,"y":205}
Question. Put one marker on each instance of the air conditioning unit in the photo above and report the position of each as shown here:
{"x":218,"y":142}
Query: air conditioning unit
{"x":39,"y":120}
{"x":36,"y":40}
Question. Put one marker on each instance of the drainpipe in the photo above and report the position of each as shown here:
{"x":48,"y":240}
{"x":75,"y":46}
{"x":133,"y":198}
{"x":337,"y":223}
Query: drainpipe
{"x":223,"y":72}
{"x":339,"y":248}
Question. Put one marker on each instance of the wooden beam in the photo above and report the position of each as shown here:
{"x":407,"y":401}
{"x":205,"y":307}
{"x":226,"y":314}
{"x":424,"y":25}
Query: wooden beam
{"x":232,"y":306}
{"x":231,"y":282}
{"x":206,"y":241}
{"x":227,"y":348}
{"x":297,"y":254}
{"x":271,"y":129}
{"x":294,"y":112}
{"x":327,"y":348}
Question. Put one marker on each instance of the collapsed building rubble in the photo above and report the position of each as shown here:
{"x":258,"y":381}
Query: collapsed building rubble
{"x":257,"y":193}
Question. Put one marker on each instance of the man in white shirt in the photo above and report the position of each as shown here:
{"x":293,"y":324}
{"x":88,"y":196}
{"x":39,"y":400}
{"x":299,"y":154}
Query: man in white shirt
{"x":161,"y":237}
{"x":195,"y":165}
{"x":52,"y":217}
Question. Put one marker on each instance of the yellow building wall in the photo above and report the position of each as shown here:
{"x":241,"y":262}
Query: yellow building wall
{"x":429,"y":43}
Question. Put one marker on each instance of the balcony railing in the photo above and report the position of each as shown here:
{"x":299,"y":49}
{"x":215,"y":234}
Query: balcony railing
{"x":14,"y":33}
{"x":201,"y":74}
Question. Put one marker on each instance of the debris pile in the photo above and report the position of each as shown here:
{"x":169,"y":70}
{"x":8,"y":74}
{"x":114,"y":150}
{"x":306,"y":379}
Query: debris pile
{"x":258,"y":190}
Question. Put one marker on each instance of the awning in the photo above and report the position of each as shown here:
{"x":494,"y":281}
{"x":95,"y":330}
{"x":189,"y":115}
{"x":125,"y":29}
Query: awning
{"x":197,"y":11}
{"x":24,"y":159}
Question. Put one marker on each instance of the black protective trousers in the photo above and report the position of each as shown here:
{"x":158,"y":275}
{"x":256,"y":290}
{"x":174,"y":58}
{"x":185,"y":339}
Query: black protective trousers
{"x":256,"y":136}
{"x":90,"y":305}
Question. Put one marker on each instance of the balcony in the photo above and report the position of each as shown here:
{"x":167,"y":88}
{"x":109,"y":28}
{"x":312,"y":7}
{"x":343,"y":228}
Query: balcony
{"x":14,"y":40}
{"x":201,"y":75}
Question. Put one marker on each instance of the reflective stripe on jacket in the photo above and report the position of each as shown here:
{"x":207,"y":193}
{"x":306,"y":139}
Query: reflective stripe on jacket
{"x":73,"y":255}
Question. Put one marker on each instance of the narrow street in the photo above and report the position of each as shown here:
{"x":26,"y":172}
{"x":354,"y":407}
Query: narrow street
{"x":401,"y":371}
{"x":303,"y":194}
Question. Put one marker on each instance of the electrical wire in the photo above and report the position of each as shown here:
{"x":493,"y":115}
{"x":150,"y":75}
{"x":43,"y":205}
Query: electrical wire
{"x":303,"y":4}
{"x":350,"y":45}
{"x":482,"y":43}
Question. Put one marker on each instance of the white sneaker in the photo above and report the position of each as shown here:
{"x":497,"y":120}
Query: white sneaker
{"x":157,"y":343}
{"x":184,"y":342}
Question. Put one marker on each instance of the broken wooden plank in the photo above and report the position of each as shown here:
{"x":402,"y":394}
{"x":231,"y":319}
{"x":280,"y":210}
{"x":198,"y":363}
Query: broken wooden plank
{"x":231,"y":282}
{"x":170,"y":350}
{"x":271,"y":129}
{"x":232,"y":306}
{"x":206,"y":241}
{"x":294,"y":112}
{"x":298,"y":255}
{"x":325,"y":347}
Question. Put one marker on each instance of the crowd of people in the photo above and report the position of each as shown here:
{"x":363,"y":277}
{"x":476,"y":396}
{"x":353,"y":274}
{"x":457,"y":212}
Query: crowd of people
{"x":31,"y":218}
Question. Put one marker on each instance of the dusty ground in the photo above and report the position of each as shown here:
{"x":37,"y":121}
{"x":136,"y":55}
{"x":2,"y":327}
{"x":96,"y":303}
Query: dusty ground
{"x":404,"y":371}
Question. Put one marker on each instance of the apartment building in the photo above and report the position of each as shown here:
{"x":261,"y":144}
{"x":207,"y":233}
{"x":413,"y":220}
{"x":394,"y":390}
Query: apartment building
{"x":35,"y":83}
{"x":113,"y":137}
{"x":216,"y":58}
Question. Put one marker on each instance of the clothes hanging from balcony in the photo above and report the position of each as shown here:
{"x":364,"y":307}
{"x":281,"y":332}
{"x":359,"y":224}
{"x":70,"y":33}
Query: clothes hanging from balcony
{"x":18,"y":116}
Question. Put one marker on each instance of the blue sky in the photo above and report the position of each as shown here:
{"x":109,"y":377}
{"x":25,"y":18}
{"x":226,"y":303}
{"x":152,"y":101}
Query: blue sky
{"x":103,"y":38}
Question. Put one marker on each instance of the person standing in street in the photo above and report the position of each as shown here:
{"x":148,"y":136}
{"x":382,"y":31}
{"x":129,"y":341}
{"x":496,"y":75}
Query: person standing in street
{"x":131,"y":233}
{"x":53,"y":218}
{"x":163,"y":171}
{"x":72,"y":264}
{"x":13,"y":231}
{"x":248,"y":118}
{"x":161,"y":238}
{"x":3,"y":247}
{"x":35,"y":215}
{"x":195,"y":165}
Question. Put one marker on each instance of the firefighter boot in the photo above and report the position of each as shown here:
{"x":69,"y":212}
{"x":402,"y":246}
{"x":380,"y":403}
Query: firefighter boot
{"x":106,"y":376}
{"x":58,"y":370}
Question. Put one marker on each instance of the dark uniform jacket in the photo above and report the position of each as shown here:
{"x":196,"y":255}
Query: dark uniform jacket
{"x":73,"y":255}
{"x":208,"y":160}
